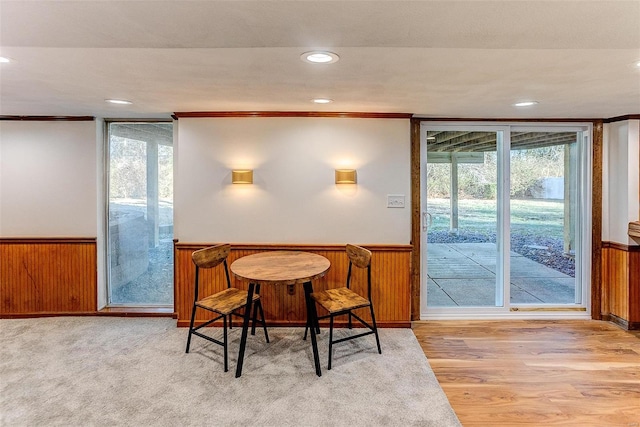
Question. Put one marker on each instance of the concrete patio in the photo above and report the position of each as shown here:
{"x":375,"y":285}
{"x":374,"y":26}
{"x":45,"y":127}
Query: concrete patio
{"x":463,"y":274}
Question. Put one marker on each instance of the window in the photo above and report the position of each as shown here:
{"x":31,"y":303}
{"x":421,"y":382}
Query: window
{"x":140,"y":214}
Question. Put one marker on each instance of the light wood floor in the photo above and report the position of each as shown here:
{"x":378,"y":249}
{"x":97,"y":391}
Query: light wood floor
{"x":536,"y":373}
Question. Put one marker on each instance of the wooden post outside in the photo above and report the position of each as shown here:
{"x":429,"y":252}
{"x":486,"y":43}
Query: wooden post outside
{"x":153,"y":209}
{"x":570,"y":186}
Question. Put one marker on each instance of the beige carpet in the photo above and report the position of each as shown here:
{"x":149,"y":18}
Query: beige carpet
{"x":90,"y":371}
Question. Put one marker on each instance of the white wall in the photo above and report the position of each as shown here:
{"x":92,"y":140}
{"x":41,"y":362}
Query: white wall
{"x":294,"y":198}
{"x":621,"y":176}
{"x":48,"y":179}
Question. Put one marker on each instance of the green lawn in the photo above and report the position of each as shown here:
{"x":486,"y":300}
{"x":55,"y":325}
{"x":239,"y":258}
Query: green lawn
{"x":537,"y":217}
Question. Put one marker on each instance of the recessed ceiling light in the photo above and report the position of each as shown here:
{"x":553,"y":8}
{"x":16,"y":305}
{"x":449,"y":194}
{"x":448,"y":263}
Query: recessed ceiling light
{"x":322,"y":100}
{"x":118,"y":101}
{"x":638,"y":64}
{"x":320,"y":57}
{"x":4,"y":59}
{"x":525,"y":103}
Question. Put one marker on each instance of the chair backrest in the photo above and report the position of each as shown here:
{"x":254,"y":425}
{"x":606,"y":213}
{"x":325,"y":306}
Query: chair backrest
{"x":209,"y":258}
{"x":361,"y":258}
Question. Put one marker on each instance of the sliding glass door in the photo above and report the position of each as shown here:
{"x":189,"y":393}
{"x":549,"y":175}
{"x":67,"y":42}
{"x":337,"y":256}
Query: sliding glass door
{"x":505,"y":211}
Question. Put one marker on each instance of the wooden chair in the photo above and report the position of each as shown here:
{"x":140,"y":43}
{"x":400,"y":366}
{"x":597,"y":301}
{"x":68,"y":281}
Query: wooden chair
{"x":224,"y":303}
{"x":341,"y":301}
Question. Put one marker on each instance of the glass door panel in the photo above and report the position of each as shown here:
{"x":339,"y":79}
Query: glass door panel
{"x":543,"y":206}
{"x":461,"y":219}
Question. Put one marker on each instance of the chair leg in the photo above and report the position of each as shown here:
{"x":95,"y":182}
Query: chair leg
{"x":317,"y":320}
{"x":193,"y":317}
{"x":330,"y":340}
{"x":255,"y":316}
{"x":224,"y":340}
{"x":264,"y":322}
{"x":350,"y":326}
{"x":375,"y":328}
{"x":306,"y":329}
{"x":317,"y":326}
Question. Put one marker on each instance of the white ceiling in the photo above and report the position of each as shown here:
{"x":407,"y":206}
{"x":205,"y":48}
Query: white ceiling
{"x":431,"y":58}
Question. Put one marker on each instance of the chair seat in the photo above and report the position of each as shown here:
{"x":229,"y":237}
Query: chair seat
{"x":339,"y":299}
{"x":225,"y":302}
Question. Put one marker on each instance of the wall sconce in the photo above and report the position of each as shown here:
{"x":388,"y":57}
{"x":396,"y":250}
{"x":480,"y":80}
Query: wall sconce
{"x":345,"y":176}
{"x":242,"y":176}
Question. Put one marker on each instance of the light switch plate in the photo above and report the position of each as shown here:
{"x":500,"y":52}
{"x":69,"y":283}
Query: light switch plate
{"x":395,"y":200}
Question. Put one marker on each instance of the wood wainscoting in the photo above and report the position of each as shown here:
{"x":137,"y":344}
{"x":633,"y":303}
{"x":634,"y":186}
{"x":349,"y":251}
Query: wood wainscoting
{"x":284,"y":305}
{"x":47,"y":276}
{"x":621,"y":284}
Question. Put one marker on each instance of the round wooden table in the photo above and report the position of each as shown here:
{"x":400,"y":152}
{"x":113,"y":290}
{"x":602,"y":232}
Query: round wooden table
{"x":280,"y":268}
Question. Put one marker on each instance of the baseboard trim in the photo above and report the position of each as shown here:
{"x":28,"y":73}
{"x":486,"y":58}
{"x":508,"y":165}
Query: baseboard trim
{"x":109,"y":313}
{"x":286,"y":324}
{"x":619,"y":321}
